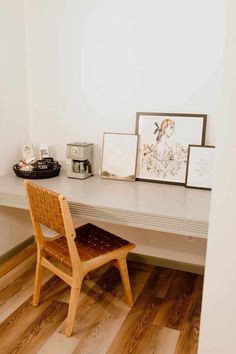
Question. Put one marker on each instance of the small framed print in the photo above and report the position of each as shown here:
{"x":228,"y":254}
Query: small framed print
{"x":119,"y":156}
{"x":200,"y":166}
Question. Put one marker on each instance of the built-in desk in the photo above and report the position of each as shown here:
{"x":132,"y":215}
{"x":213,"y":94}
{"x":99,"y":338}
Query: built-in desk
{"x":153,"y":206}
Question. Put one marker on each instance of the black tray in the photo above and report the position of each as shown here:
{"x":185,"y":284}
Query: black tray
{"x":36,"y":174}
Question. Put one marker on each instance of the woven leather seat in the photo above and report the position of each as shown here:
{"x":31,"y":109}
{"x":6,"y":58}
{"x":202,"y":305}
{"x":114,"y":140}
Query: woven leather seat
{"x":82,"y":249}
{"x":91,"y":242}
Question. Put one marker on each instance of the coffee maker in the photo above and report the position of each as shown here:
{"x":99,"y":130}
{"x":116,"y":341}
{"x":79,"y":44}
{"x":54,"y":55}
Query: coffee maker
{"x":79,"y":160}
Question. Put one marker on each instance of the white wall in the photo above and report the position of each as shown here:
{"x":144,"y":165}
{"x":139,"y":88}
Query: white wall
{"x":218,"y":329}
{"x":14,"y":131}
{"x":94,"y":63}
{"x":15,"y":228}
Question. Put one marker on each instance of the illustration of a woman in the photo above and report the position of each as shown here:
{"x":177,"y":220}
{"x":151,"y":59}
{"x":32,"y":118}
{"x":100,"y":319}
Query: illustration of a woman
{"x":164,"y":157}
{"x":164,"y":132}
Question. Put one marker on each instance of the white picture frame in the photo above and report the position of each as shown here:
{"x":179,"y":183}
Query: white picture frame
{"x":200,"y":167}
{"x":163,"y":144}
{"x":119,"y":156}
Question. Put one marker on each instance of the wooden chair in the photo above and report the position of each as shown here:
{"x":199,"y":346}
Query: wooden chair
{"x":80,"y":250}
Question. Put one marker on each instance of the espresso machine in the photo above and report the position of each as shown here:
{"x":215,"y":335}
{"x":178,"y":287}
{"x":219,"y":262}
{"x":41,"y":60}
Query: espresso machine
{"x":79,"y":160}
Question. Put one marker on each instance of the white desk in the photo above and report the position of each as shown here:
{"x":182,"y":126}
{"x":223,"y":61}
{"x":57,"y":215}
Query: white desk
{"x":152,"y":206}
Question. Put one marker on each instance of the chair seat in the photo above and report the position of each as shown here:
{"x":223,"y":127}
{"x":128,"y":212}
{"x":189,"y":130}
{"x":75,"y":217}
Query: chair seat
{"x":91,"y":242}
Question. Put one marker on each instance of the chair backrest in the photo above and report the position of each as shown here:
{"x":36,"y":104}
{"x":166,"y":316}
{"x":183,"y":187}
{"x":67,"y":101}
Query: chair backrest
{"x":51,"y":209}
{"x":45,"y":207}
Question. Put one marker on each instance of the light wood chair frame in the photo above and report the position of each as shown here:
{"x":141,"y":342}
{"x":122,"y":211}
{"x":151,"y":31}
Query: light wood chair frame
{"x":79,"y":268}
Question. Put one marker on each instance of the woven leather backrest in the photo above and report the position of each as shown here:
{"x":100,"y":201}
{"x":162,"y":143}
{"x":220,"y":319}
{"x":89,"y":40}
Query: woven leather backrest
{"x":45,"y":207}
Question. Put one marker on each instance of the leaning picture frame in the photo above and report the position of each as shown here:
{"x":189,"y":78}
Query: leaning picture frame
{"x":163,"y":144}
{"x":119,"y":156}
{"x":200,"y":167}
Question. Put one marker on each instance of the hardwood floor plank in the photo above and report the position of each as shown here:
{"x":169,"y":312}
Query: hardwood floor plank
{"x":141,"y":266}
{"x":59,"y":344}
{"x":17,"y":271}
{"x":166,"y":341}
{"x":191,"y":344}
{"x":13,"y":325}
{"x":17,"y":259}
{"x":16,"y":285}
{"x":197,"y":297}
{"x":158,"y":340}
{"x":16,"y":289}
{"x":24,"y":291}
{"x":188,"y":339}
{"x":175,"y":305}
{"x":140,"y":317}
{"x":165,"y":281}
{"x":107,"y":315}
{"x":40,"y":329}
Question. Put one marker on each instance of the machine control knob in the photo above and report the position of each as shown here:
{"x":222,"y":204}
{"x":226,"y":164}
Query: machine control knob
{"x":74,"y":150}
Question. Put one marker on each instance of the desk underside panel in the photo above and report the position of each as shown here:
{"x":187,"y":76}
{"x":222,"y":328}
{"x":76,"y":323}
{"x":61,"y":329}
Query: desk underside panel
{"x":123,"y":217}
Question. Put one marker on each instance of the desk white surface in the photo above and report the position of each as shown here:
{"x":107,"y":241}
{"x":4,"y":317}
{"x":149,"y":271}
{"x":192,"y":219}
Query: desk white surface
{"x":153,"y":206}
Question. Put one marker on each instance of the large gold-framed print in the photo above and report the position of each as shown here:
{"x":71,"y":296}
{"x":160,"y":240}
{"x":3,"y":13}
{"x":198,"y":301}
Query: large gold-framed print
{"x":163,"y":144}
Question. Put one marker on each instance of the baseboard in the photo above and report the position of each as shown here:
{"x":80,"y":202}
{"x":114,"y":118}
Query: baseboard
{"x":187,"y":267}
{"x":13,"y":251}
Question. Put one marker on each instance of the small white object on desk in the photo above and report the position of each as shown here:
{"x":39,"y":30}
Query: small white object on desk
{"x":28,"y":153}
{"x":43,"y":151}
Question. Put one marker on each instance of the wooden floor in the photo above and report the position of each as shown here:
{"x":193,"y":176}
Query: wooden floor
{"x":165,"y":318}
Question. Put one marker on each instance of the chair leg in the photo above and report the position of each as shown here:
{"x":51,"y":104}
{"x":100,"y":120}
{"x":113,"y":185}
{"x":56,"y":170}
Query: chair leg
{"x":122,"y":265}
{"x":74,"y":299}
{"x":37,"y":282}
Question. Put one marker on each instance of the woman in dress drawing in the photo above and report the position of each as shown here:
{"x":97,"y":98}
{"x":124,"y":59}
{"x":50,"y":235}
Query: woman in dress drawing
{"x":164,"y":158}
{"x":164,"y":132}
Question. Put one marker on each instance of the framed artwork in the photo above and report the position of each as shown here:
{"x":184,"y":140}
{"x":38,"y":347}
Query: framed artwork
{"x":119,"y":156}
{"x":163,"y":144}
{"x":200,"y":166}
